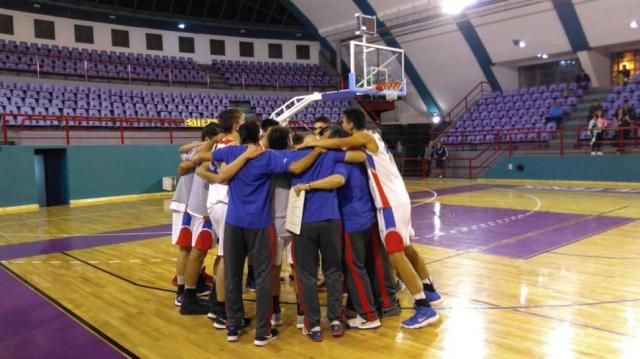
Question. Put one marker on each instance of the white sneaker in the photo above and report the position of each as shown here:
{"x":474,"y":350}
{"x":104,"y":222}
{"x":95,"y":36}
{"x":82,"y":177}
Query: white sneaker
{"x":360,"y":323}
{"x":276,"y":319}
{"x":300,"y":321}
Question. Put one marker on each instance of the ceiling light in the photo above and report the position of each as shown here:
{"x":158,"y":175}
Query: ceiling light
{"x":522,"y":43}
{"x":243,"y":31}
{"x":181,"y":26}
{"x":455,"y":7}
{"x":436,"y":118}
{"x":112,"y":17}
{"x":36,"y":6}
{"x":633,"y":24}
{"x":545,"y":56}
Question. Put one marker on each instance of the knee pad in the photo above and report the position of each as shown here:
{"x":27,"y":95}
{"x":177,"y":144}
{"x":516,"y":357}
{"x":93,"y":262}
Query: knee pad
{"x":393,"y":241}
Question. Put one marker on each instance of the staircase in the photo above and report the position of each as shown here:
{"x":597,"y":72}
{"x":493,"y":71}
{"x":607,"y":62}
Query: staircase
{"x":217,"y":81}
{"x":245,"y":107}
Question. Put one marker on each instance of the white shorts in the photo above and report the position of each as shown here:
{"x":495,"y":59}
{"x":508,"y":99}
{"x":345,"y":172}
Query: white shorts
{"x":218,"y":215}
{"x":180,"y":228}
{"x":279,"y":223}
{"x":282,"y":244}
{"x":202,"y":233}
{"x":395,"y":227}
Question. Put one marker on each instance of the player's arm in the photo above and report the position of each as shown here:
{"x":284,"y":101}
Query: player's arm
{"x":357,"y":140}
{"x":185,"y":166}
{"x":331,"y":182}
{"x":302,"y":164}
{"x":355,"y":157}
{"x":227,"y":172}
{"x":204,"y":153}
{"x":189,"y":146}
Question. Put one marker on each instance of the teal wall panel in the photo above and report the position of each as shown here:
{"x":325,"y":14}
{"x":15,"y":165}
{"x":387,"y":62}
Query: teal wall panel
{"x":17,"y":176}
{"x":623,"y":168}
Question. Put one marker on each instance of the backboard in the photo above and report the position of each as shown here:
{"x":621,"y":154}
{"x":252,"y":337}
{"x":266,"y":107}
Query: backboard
{"x":372,"y":66}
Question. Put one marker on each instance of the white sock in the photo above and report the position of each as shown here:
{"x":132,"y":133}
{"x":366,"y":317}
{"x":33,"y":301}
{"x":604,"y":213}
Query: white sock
{"x":180,"y":279}
{"x":427,"y":281}
{"x":419,"y":296}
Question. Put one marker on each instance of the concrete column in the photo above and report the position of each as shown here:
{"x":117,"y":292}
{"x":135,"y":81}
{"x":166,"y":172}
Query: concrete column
{"x":597,"y":65}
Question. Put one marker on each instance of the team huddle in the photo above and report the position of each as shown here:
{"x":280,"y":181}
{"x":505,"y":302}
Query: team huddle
{"x":234,"y":187}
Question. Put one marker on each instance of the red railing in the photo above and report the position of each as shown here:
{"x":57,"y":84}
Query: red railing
{"x":461,"y":107}
{"x":614,"y":135}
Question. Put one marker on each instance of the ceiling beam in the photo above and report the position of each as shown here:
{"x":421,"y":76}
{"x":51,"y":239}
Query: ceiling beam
{"x":255,"y":11}
{"x":206,"y":8}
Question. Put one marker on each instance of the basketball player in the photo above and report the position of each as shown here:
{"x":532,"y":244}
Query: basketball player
{"x":394,"y":215}
{"x":202,"y":236}
{"x":249,"y":199}
{"x":320,"y":231}
{"x":181,"y":222}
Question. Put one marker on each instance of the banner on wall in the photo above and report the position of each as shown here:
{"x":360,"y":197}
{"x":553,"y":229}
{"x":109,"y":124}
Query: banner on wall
{"x":198,"y":122}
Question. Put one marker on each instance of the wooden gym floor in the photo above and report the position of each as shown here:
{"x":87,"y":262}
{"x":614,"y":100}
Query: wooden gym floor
{"x":526,"y":271}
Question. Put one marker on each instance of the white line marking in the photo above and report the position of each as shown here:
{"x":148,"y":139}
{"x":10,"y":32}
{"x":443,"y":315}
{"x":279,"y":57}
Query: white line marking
{"x":155,"y":260}
{"x":74,"y":262}
{"x":49,"y":219}
{"x":55,"y":262}
{"x":84,"y":235}
{"x":114,"y":261}
{"x":134,"y":261}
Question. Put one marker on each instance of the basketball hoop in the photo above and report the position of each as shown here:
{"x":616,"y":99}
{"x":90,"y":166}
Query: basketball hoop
{"x":390,"y":89}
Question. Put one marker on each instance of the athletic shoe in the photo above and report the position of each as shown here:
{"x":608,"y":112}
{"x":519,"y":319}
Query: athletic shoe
{"x":179,"y":299}
{"x":251,"y":284}
{"x":361,"y":323}
{"x":322,"y":286}
{"x":422,"y":317}
{"x":197,"y":307}
{"x":212,"y":315}
{"x":300,"y":321}
{"x":221,"y":322}
{"x":337,"y":330}
{"x":276,"y":319}
{"x":399,"y":285}
{"x":314,"y":334}
{"x":433,"y":297}
{"x":233,"y":334}
{"x":202,"y":288}
{"x":393,"y":311}
{"x":262,"y":341}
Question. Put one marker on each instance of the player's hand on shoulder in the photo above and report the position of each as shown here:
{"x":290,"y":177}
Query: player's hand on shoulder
{"x":253,"y":151}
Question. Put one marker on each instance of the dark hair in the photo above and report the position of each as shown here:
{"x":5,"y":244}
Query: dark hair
{"x":328,"y":129}
{"x":338,"y":132}
{"x":249,"y":133}
{"x":211,"y":130}
{"x":297,"y":138}
{"x":356,"y":117}
{"x":322,"y":119}
{"x":267,"y":123}
{"x":279,"y":138}
{"x":229,"y":118}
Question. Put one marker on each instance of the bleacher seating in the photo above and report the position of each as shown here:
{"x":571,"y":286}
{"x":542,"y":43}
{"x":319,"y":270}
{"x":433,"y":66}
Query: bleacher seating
{"x":272,"y":74}
{"x":518,"y":115}
{"x":113,"y":103}
{"x":93,"y":63}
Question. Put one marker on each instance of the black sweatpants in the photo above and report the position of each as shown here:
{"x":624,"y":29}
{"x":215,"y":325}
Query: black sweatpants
{"x":357,"y":277}
{"x":379,"y":270}
{"x":325,"y":237}
{"x":259,"y":245}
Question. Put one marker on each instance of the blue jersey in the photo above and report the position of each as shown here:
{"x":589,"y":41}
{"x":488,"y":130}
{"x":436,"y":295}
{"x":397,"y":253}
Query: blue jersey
{"x":319,"y":205}
{"x":249,"y":190}
{"x":354,"y":198}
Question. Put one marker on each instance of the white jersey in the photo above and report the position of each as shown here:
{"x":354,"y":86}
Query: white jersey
{"x":219,"y":193}
{"x":385,"y":182}
{"x":183,"y":188}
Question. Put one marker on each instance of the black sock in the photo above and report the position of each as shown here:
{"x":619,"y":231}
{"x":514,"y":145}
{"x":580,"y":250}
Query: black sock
{"x":428,"y":287}
{"x":180,"y":288}
{"x":249,"y":271}
{"x":276,"y":304}
{"x":298,"y":307}
{"x":189,"y":295}
{"x":422,"y":303}
{"x":221,"y":310}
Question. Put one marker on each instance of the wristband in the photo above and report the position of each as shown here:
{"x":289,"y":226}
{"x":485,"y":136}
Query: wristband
{"x":307,"y":187}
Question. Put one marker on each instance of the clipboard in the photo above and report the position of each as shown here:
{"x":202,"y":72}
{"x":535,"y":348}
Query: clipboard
{"x":295,"y":208}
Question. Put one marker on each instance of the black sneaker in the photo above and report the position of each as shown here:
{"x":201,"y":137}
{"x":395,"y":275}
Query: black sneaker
{"x":262,"y":341}
{"x":221,"y":322}
{"x":197,"y":307}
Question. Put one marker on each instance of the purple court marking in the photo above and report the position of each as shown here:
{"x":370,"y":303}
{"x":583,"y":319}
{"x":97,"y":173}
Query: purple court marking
{"x":33,"y":328}
{"x":525,"y":234}
{"x":81,"y":242}
{"x":449,"y":190}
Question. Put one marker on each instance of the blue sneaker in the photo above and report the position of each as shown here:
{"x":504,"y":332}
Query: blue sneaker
{"x":233,"y":333}
{"x":422,"y":317}
{"x":262,"y":341}
{"x":433,"y":298}
{"x":314,"y":333}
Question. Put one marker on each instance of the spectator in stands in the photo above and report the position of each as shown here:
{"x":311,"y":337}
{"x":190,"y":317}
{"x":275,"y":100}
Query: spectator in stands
{"x":625,"y":75}
{"x":625,"y":116}
{"x":440,"y":154}
{"x":596,"y":126}
{"x":555,"y":114}
{"x":425,"y":156}
{"x":583,"y":80}
{"x":399,"y":152}
{"x":319,"y":124}
{"x":595,"y":107}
